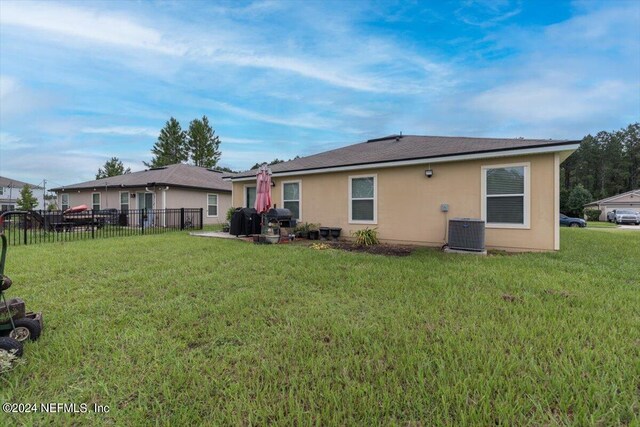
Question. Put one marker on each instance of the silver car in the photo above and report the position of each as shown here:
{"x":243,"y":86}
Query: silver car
{"x":627,"y":216}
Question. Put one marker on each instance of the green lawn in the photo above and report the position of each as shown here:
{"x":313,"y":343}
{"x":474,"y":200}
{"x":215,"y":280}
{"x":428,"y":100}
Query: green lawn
{"x":601,"y":224}
{"x":179,"y":330}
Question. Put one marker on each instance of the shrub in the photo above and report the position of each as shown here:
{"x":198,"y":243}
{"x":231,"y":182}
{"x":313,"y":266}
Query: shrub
{"x":366,"y":237}
{"x":230,"y":212}
{"x":303,"y":228}
{"x":593,"y":214}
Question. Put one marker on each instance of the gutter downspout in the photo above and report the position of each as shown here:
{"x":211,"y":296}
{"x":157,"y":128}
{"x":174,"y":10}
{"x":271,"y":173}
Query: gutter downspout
{"x":164,"y":205}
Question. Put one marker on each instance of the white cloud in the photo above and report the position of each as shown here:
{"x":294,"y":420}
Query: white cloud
{"x":543,"y":100}
{"x":239,"y":141}
{"x":121,"y":130}
{"x":341,"y":64}
{"x":310,"y":120}
{"x":11,"y":142}
{"x":108,"y":28}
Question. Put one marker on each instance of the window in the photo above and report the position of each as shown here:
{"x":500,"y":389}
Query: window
{"x":249,"y":197}
{"x":362,"y":199}
{"x":1,"y":191}
{"x":64,"y":202}
{"x":505,"y":200}
{"x":95,"y":200}
{"x":212,"y":205}
{"x":291,"y":198}
{"x":8,"y":208}
{"x":124,"y":201}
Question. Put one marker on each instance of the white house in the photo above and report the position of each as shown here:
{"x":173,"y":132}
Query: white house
{"x":10,"y":193}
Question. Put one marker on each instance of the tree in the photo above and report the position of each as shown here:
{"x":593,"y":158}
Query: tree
{"x":171,"y":146}
{"x":225,"y":169}
{"x":578,"y":197}
{"x":113,"y":167}
{"x":27,"y":201}
{"x":605,"y":164}
{"x":202,"y":143}
{"x":273,"y":162}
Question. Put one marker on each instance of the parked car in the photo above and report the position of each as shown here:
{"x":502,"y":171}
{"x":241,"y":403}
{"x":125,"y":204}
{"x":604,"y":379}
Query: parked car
{"x":572,"y":222}
{"x":626,"y":216}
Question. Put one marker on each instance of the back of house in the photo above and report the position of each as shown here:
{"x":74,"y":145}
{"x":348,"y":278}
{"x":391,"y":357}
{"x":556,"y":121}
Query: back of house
{"x":408,"y":187}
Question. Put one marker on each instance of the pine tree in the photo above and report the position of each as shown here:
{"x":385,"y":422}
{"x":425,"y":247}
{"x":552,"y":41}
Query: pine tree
{"x":203,"y":144}
{"x":27,"y":200}
{"x":113,"y":167}
{"x":171,"y":146}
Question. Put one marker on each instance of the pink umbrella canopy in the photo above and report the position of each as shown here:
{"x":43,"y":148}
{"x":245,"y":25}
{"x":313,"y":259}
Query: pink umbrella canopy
{"x":263,"y":190}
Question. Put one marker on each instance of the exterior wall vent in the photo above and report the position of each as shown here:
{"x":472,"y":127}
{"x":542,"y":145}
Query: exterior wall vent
{"x":466,"y":234}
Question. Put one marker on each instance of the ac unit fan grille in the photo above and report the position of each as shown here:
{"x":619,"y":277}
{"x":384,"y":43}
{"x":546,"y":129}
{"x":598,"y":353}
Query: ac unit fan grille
{"x":466,"y":234}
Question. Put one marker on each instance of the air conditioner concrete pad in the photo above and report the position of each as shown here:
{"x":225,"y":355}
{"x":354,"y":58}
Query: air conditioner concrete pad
{"x":458,"y":251}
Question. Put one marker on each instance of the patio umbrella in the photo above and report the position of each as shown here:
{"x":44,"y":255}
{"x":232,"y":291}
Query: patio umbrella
{"x":263,"y":190}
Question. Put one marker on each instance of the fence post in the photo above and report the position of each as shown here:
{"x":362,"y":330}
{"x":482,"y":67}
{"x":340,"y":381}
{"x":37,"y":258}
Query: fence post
{"x":201,"y":219}
{"x":25,"y":230}
{"x":93,"y":224}
{"x":142,"y":220}
{"x":181,"y":218}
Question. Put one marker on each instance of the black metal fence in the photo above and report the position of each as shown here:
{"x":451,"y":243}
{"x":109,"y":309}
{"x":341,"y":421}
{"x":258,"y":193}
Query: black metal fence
{"x":56,"y":226}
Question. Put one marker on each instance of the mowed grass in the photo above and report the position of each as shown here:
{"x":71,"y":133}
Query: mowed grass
{"x":179,"y":330}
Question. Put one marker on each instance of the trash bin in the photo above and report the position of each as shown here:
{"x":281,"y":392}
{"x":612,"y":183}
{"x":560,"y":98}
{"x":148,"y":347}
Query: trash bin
{"x":123,"y":220}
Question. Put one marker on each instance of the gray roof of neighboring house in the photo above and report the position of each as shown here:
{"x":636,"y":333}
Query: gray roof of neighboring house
{"x":617,"y":196}
{"x":178,"y":175}
{"x":405,"y":147}
{"x":14,"y":183}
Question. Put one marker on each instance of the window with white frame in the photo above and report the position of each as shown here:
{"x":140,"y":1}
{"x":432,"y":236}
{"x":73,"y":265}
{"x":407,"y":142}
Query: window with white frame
{"x":64,"y":202}
{"x":362,"y":199}
{"x":124,"y":201}
{"x":95,"y":200}
{"x":249,"y":197}
{"x":212,"y":205}
{"x":506,"y":195}
{"x":291,"y":198}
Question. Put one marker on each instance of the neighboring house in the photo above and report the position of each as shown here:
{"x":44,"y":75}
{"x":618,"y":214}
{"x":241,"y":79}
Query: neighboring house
{"x":398,"y":185}
{"x":10,"y":193}
{"x":628,"y":200}
{"x":169,"y":187}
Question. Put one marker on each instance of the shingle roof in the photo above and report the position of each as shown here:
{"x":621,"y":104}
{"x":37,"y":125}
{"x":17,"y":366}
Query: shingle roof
{"x":405,"y":147}
{"x":178,"y":175}
{"x":617,"y":196}
{"x":8,"y":182}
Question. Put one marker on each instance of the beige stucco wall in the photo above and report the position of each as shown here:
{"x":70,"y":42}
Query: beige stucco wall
{"x":408,"y":203}
{"x":175,"y":198}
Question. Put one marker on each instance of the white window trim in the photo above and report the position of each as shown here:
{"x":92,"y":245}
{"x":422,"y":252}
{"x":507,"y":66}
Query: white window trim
{"x":217,"y":205}
{"x":244,"y":194}
{"x":527,"y":196}
{"x":99,"y":201}
{"x":299,"y":182}
{"x":375,"y":199}
{"x":128,"y":199}
{"x":62,"y":204}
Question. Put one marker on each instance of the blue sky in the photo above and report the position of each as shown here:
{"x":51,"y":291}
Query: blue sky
{"x":81,"y":82}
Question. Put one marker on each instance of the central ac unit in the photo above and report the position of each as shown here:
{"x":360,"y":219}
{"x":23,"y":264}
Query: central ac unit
{"x":466,"y":234}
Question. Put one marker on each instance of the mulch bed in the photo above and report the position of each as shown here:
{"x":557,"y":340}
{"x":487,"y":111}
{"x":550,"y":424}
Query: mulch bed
{"x":381,"y":249}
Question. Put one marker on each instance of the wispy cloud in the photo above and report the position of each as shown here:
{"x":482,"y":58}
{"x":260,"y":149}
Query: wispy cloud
{"x":121,"y":130}
{"x":92,"y":24}
{"x":310,"y":121}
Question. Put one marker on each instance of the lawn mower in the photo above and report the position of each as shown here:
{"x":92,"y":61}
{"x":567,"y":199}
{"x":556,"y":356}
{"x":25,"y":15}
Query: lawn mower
{"x":16,"y":325}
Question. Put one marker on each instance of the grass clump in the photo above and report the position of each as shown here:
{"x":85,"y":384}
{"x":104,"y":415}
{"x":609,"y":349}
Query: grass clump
{"x":366,"y":237}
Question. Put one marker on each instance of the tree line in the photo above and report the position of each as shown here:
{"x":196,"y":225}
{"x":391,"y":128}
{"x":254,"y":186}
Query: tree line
{"x":604,"y":165}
